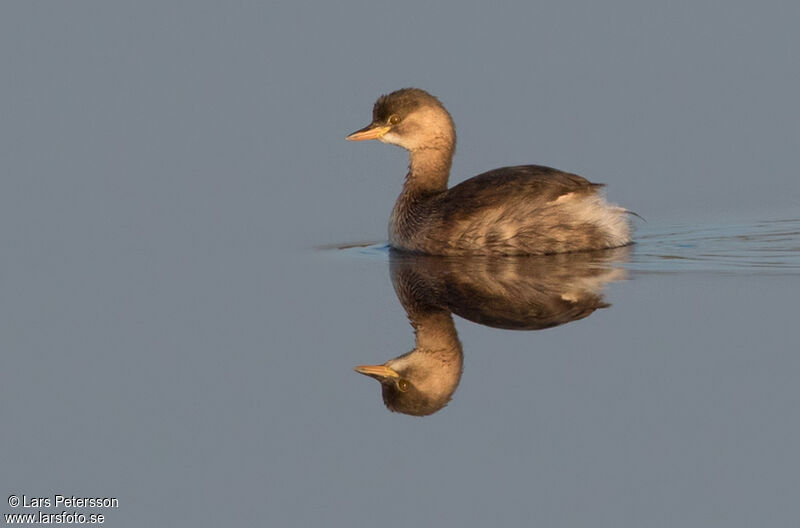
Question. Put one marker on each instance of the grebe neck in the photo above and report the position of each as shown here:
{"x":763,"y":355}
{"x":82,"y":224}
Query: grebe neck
{"x":429,"y":170}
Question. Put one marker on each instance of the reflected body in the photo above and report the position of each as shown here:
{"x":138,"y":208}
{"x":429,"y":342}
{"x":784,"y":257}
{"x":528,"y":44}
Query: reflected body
{"x":528,"y":209}
{"x":519,"y":293}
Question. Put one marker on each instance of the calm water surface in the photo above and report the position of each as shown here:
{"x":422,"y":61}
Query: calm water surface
{"x":653,"y":386}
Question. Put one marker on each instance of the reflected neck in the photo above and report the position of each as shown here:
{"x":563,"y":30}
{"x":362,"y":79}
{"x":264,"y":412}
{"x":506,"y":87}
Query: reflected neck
{"x":436,"y":334}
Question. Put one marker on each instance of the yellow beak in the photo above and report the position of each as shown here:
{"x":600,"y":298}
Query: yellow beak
{"x":377,"y":371}
{"x":368,"y":132}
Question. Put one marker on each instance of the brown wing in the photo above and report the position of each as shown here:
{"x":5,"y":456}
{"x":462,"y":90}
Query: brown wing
{"x":528,"y":182}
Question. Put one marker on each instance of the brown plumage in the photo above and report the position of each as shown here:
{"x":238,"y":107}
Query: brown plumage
{"x":529,"y":209}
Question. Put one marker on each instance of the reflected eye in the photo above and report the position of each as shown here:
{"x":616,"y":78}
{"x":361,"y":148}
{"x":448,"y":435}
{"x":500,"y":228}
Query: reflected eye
{"x":403,"y":385}
{"x":393,"y":119}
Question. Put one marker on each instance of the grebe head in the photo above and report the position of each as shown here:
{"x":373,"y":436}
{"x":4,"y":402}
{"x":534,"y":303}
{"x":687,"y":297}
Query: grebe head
{"x":410,"y":118}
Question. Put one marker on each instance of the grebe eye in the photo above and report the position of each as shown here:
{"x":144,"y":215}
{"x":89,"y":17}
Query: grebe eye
{"x":403,"y":385}
{"x":394,"y":119}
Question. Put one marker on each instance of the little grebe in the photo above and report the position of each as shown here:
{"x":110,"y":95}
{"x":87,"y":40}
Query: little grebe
{"x":529,"y":209}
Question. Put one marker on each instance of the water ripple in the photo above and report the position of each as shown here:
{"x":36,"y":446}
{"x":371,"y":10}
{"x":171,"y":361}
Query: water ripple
{"x":762,"y":247}
{"x":766,"y":247}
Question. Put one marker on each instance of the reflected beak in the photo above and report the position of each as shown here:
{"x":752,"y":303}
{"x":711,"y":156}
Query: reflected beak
{"x":378,"y":372}
{"x":370,"y":131}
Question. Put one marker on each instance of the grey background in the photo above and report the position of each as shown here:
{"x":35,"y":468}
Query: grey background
{"x":170,"y":337}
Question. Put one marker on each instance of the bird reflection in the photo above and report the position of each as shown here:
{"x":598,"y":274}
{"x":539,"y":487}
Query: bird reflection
{"x":515,"y":293}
